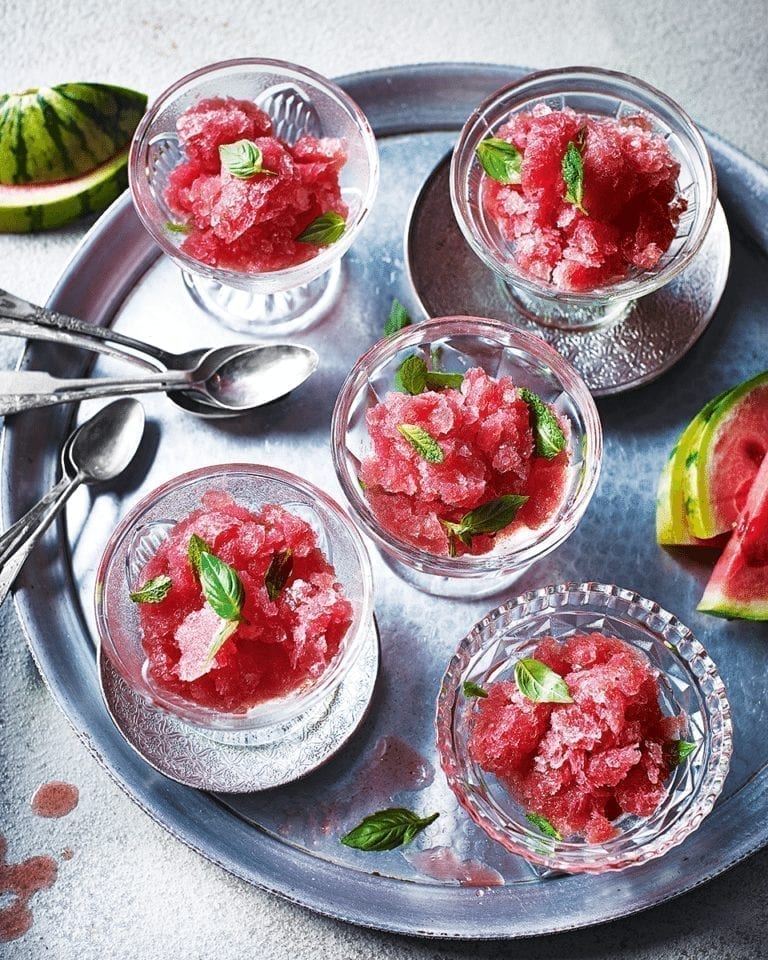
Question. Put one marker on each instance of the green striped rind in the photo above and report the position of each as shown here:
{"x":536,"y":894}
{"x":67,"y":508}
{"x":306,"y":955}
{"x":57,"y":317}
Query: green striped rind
{"x":701,"y":518}
{"x":719,"y":605}
{"x":59,"y":133}
{"x":27,"y":209}
{"x":672,"y":528}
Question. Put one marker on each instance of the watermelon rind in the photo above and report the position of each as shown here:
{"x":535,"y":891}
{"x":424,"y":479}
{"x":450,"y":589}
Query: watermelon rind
{"x":697,"y":488}
{"x":51,"y":134}
{"x":672,"y":528}
{"x":29,"y":208}
{"x":719,"y":604}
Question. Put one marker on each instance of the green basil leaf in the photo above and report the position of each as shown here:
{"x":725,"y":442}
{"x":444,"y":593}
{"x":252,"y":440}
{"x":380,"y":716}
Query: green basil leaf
{"x":324,"y":230}
{"x":437,"y":380}
{"x":242,"y":159}
{"x":683,"y":750}
{"x":544,"y":825}
{"x":422,"y":442}
{"x":573,"y":173}
{"x":387,"y":829}
{"x":500,"y":159}
{"x":471,"y":689}
{"x":547,"y":432}
{"x":539,"y":683}
{"x":196,"y":547}
{"x":398,"y":319}
{"x":491,"y":517}
{"x":225,"y":632}
{"x":178,"y":227}
{"x":222,"y":587}
{"x":411,"y":376}
{"x":278,"y":572}
{"x":153,"y":591}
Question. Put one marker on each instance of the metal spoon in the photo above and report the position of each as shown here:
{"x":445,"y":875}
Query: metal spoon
{"x":254,"y":376}
{"x":98,"y":450}
{"x":20,"y":318}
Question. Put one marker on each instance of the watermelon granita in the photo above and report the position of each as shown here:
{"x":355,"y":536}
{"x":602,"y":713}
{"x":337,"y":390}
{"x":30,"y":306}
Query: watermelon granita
{"x":248,"y":215}
{"x":583,"y":764}
{"x":280,"y":637}
{"x":480,"y":455}
{"x":615,"y":212}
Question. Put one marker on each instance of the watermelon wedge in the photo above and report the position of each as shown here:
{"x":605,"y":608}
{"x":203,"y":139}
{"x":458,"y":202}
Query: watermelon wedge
{"x":721,"y":468}
{"x":738,"y":586}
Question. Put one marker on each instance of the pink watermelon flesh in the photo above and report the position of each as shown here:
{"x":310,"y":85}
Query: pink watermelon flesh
{"x":739,"y":450}
{"x":738,"y":586}
{"x":581,"y":764}
{"x":630,"y":195}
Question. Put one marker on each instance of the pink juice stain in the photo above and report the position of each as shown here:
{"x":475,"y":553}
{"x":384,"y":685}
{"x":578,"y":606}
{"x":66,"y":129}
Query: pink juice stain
{"x":21,"y":881}
{"x":55,"y":799}
{"x":442,"y":863}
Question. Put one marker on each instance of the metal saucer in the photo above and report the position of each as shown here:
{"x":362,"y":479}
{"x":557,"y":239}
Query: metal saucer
{"x":188,"y":756}
{"x":448,"y":279}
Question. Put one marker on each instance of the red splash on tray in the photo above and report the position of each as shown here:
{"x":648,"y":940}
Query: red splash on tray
{"x":581,"y":765}
{"x":55,"y":799}
{"x":629,"y":194}
{"x":442,"y":863}
{"x":21,"y":881}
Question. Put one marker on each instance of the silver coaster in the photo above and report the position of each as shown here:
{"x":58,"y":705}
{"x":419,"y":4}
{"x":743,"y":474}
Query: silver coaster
{"x":184,"y":754}
{"x":449,"y":279}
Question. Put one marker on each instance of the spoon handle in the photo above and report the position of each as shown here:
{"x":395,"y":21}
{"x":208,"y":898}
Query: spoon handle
{"x":32,"y":389}
{"x":18,"y":540}
{"x":19,"y":318}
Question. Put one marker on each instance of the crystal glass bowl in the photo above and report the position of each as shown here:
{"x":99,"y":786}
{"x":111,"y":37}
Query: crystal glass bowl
{"x":598,"y":93}
{"x":299,"y":102}
{"x":463,"y":343}
{"x":689,"y":682}
{"x":136,"y":540}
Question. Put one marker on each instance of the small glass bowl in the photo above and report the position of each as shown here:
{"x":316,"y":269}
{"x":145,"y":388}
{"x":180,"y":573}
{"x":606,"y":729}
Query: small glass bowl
{"x":689,"y":682}
{"x":598,"y":93}
{"x":463,"y":343}
{"x":136,"y":540}
{"x":299,"y":102}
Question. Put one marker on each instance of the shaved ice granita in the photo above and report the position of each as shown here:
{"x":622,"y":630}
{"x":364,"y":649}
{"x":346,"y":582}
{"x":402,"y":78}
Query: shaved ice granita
{"x":237,"y":597}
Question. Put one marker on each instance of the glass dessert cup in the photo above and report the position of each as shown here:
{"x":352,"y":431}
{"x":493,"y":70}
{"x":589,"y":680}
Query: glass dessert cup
{"x":299,"y":102}
{"x":689,"y":683}
{"x":599,"y":93}
{"x":463,"y":343}
{"x":149,"y":523}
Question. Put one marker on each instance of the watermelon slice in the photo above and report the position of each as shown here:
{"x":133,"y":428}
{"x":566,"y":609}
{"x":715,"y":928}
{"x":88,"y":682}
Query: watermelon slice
{"x":738,"y":586}
{"x":720,"y":470}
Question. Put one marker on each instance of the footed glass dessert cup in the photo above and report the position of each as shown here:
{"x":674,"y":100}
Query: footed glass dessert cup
{"x":299,"y":104}
{"x":598,"y":94}
{"x":690,"y":687}
{"x":151,"y":523}
{"x":456,"y":345}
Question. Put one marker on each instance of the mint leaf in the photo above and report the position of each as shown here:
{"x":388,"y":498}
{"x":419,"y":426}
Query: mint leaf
{"x":398,"y":319}
{"x":500,"y":159}
{"x":197,"y":546}
{"x":226,"y":631}
{"x":324,"y":230}
{"x":243,"y":159}
{"x":387,"y":829}
{"x":178,"y":227}
{"x":222,"y":587}
{"x":411,"y":376}
{"x":422,"y":442}
{"x":539,"y":683}
{"x":488,"y":518}
{"x":278,"y":572}
{"x":547,"y":432}
{"x":153,"y":591}
{"x":683,"y":750}
{"x":471,"y":689}
{"x":544,"y":825}
{"x":573,"y":172}
{"x":437,"y":380}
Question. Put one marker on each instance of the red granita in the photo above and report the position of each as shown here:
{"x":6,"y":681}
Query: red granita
{"x":250,"y":224}
{"x":630,"y":206}
{"x":485,"y":435}
{"x":279,"y":645}
{"x":582,"y":764}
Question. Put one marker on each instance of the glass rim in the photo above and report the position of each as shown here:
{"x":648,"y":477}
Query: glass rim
{"x":463,"y":158}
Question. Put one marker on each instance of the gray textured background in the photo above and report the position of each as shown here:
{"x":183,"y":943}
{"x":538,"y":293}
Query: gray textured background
{"x":131,"y":891}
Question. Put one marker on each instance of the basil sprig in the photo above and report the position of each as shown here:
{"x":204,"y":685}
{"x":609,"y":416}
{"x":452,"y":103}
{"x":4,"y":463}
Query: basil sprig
{"x":414,"y":377}
{"x":324,"y":230}
{"x":500,"y":159}
{"x":471,"y":689}
{"x":547,"y":432}
{"x":491,"y":517}
{"x":387,"y":829}
{"x":153,"y":591}
{"x":195,"y":549}
{"x":278,"y":572}
{"x":544,"y":825}
{"x":422,"y":442}
{"x":222,"y":587}
{"x":573,"y":172}
{"x":397,"y":320}
{"x":243,"y":159}
{"x":539,"y":683}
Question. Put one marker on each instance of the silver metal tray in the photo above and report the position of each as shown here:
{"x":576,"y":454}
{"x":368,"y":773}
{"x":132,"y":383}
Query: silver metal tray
{"x":286,"y":840}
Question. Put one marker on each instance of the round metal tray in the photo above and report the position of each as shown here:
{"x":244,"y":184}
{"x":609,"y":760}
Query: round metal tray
{"x":286,"y":839}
